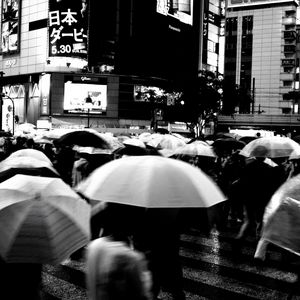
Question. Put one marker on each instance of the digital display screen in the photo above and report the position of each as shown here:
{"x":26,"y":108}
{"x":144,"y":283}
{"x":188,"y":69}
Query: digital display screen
{"x":85,"y":98}
{"x":10,"y":20}
{"x":236,"y":3}
{"x":179,"y":9}
{"x":68,"y":26}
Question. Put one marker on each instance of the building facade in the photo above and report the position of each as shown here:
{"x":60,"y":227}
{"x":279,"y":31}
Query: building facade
{"x":261,"y":61}
{"x":78,"y":59}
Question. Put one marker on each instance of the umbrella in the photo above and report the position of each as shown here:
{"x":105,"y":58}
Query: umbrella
{"x":56,"y":133}
{"x":135,"y":150}
{"x":228,"y":144}
{"x":196,"y":149}
{"x":26,"y":127}
{"x":247,"y":139}
{"x":276,"y":147}
{"x":33,"y":153}
{"x":83,"y":138}
{"x":282,"y":215}
{"x":29,"y":165}
{"x":145,"y":137}
{"x":166,"y":141}
{"x":92,"y":150}
{"x":42,"y":220}
{"x":112,"y":141}
{"x":134,"y":142}
{"x":151,"y":181}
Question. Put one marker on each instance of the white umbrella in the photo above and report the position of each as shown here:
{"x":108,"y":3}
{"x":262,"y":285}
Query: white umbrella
{"x":42,"y":220}
{"x":134,"y":142}
{"x":196,"y":149}
{"x":32,"y":153}
{"x":273,"y":147}
{"x":166,"y":141}
{"x":151,"y":181}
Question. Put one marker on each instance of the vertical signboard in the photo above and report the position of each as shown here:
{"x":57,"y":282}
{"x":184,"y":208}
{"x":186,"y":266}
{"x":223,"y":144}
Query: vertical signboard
{"x":68,"y":26}
{"x":45,"y":93}
{"x":205,"y":30}
{"x":7,"y":115}
{"x":10,"y":21}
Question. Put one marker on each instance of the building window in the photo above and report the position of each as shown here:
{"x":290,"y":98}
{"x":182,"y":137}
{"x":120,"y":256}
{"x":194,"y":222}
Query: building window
{"x":286,"y":110}
{"x":287,"y":83}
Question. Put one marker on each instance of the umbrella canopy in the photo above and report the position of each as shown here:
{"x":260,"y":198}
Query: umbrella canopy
{"x":26,"y":165}
{"x":135,"y":150}
{"x":247,"y":139}
{"x":83,"y":138}
{"x":152,"y":182}
{"x":134,"y":142}
{"x":228,"y":144}
{"x":166,"y":141}
{"x":275,"y":146}
{"x":26,"y":127}
{"x":42,"y":220}
{"x":33,"y":153}
{"x":197,"y":148}
{"x":145,"y":137}
{"x":282,"y":216}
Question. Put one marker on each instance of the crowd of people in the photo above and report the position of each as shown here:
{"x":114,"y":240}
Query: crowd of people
{"x":135,"y":251}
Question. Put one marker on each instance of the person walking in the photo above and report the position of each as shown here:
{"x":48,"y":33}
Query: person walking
{"x":258,"y":182}
{"x":158,"y":237}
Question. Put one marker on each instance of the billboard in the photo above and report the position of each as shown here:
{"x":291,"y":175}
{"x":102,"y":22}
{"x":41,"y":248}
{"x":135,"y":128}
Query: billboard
{"x":85,"y":98}
{"x":238,"y":3}
{"x":10,"y":21}
{"x":68,"y":26}
{"x":179,"y":9}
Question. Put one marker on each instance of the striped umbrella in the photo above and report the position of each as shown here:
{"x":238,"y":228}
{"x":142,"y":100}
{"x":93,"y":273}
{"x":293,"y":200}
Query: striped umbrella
{"x":42,"y":220}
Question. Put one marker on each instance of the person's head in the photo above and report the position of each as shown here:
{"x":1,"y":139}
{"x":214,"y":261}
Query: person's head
{"x":259,"y":152}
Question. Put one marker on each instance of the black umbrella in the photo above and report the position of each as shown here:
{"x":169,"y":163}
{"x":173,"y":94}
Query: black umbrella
{"x":135,"y":151}
{"x":82,"y":138}
{"x":228,"y":144}
{"x":247,"y":139}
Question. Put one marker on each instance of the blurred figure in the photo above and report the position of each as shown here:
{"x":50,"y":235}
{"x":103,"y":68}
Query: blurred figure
{"x":158,"y":237}
{"x":114,"y":270}
{"x":257,"y":184}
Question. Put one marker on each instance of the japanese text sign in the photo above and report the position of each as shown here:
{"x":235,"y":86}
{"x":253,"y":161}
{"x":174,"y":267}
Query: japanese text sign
{"x":68,"y":26}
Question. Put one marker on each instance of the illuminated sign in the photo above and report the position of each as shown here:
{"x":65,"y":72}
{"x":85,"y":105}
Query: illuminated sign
{"x":7,"y":115}
{"x":180,"y":9}
{"x":237,"y":3}
{"x":10,"y":19}
{"x":144,"y":93}
{"x":68,"y":26}
{"x":85,"y":98}
{"x":45,"y":81}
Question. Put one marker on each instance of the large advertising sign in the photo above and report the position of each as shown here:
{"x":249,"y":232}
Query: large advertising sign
{"x":85,"y":98}
{"x":10,"y":20}
{"x":68,"y":26}
{"x":179,"y":9}
{"x":237,"y":3}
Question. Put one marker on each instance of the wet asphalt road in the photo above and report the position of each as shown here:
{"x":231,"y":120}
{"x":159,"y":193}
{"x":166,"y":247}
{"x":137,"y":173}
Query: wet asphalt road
{"x":210,"y":271}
